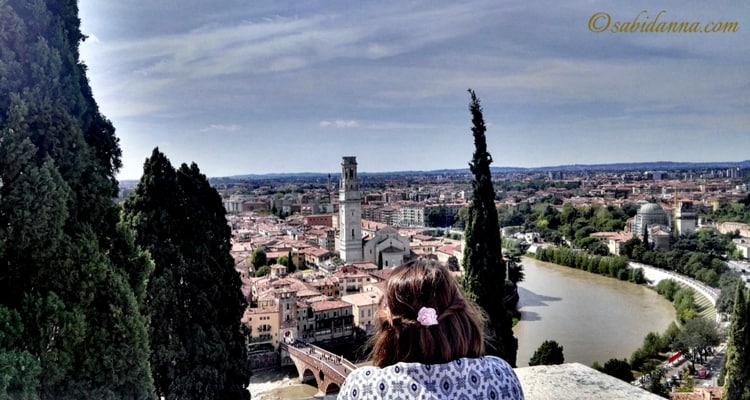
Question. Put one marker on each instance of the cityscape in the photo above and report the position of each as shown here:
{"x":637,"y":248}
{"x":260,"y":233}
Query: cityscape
{"x":305,"y":284}
{"x":236,"y":200}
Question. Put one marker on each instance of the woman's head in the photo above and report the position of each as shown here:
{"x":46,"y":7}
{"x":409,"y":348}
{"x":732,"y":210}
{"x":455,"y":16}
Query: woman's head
{"x":402,"y":337}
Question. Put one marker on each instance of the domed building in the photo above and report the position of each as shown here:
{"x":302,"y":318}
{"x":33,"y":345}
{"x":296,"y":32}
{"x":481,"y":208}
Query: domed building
{"x":650,"y":216}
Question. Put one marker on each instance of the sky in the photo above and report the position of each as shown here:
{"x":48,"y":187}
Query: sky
{"x":261,"y":86}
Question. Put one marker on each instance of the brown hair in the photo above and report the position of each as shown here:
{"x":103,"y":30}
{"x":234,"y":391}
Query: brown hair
{"x":400,"y":337}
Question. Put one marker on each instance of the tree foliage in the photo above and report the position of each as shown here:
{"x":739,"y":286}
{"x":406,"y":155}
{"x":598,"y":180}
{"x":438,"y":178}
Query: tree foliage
{"x":619,"y":368}
{"x":194,"y":297}
{"x":453,"y":264}
{"x":696,"y":337}
{"x":548,"y":353}
{"x":259,"y":258}
{"x":70,"y":279}
{"x":736,"y":368}
{"x":727,"y":284}
{"x":484,"y":270}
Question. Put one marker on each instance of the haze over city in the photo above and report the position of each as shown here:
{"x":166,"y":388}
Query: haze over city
{"x":257,"y":87}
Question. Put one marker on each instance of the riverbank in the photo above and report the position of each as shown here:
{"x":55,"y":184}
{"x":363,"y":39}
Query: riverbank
{"x":593,"y":317}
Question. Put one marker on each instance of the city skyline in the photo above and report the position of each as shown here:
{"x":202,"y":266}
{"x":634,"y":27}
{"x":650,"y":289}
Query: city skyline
{"x":255,"y":88}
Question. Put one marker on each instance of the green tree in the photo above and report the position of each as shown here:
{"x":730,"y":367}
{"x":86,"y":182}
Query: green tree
{"x":453,"y":263}
{"x":515,"y":268}
{"x":548,"y":353}
{"x":69,"y":271}
{"x":484,"y":270}
{"x":696,"y":336}
{"x":292,"y":267}
{"x":688,"y":383}
{"x":655,"y":385}
{"x":619,"y":368}
{"x":259,"y":258}
{"x":727,"y":284}
{"x":19,"y":369}
{"x":195,"y":302}
{"x":736,"y":368}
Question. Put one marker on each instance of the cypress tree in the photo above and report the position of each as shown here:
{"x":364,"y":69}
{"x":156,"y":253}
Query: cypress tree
{"x":484,"y":269}
{"x":736,"y":369}
{"x":68,"y":270}
{"x":194,"y":297}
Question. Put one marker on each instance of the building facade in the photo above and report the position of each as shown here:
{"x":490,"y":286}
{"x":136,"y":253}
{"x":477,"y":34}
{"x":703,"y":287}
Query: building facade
{"x":684,"y":218}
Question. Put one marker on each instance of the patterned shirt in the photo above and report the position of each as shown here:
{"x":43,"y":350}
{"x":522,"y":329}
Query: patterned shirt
{"x":485,"y":377}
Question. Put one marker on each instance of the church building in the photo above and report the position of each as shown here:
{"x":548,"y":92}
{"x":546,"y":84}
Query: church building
{"x":386,"y":247}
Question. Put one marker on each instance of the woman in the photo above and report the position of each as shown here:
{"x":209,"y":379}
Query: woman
{"x":429,"y":344}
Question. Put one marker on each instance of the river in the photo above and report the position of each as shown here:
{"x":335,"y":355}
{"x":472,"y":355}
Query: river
{"x":594,"y":318}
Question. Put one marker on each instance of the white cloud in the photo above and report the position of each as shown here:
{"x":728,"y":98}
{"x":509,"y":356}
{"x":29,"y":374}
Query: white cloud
{"x":339,"y":123}
{"x":221,"y":128}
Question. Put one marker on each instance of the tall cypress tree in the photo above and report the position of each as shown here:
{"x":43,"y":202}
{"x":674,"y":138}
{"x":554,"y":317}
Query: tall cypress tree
{"x":484,"y":269}
{"x":194,"y":296}
{"x":68,"y":271}
{"x":736,"y":369}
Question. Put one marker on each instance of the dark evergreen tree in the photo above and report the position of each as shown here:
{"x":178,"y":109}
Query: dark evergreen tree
{"x":69,"y":271}
{"x":194,"y":297}
{"x":736,"y":369}
{"x":453,"y":263}
{"x":515,"y":268}
{"x":548,"y":353}
{"x":619,"y":368}
{"x":484,"y":270}
{"x":291,"y":268}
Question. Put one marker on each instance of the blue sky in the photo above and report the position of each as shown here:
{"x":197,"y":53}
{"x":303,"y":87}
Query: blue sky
{"x":262,"y":86}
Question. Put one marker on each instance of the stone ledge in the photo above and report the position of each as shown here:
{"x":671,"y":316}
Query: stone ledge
{"x":575,"y":381}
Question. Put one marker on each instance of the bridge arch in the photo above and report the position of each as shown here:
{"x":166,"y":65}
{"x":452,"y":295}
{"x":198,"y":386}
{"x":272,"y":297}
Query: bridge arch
{"x":328,"y":370}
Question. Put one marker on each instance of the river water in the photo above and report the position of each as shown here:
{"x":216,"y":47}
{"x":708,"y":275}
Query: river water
{"x":594,"y":318}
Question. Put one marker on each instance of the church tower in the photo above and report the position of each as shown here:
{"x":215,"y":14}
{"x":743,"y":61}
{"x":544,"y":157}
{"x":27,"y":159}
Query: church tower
{"x":684,"y":218}
{"x":350,"y":212}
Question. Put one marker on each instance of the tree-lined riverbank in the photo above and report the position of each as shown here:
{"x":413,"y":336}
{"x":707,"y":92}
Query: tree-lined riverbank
{"x":593,"y":317}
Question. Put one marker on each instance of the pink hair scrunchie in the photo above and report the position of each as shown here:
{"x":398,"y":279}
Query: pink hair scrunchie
{"x":427,"y":316}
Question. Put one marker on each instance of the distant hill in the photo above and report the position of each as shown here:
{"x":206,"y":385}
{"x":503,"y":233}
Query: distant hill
{"x":636,"y":166}
{"x":647,"y":166}
{"x":614,"y":167}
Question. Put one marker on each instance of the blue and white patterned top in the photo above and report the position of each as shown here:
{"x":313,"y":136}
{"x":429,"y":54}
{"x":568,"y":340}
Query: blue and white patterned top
{"x":486,"y":377}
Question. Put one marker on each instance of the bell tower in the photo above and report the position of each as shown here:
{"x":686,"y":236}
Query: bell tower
{"x":350,"y":212}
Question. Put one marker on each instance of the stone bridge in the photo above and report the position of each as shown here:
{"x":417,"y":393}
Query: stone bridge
{"x":327,"y":369}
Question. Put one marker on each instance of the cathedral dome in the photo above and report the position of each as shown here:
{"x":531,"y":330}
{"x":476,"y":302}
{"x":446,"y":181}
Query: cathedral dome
{"x":651,"y":208}
{"x":649,"y":214}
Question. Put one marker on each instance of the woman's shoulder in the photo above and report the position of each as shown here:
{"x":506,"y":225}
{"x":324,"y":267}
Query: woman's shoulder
{"x":487,"y":376}
{"x":408,"y":368}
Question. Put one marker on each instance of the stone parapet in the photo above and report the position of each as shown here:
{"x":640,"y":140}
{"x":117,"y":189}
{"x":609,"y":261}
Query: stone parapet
{"x":576,"y":381}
